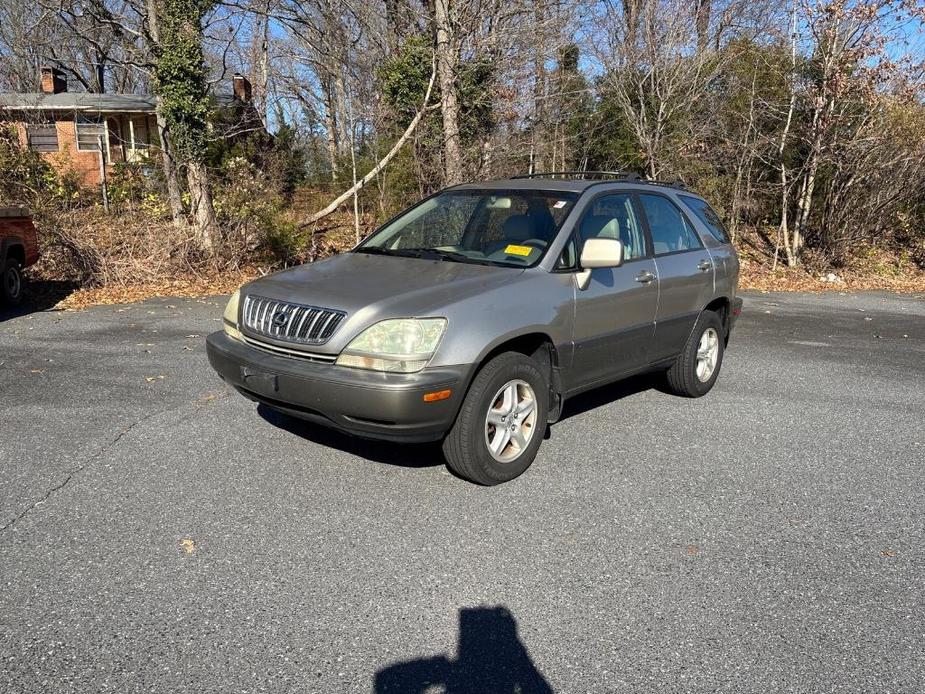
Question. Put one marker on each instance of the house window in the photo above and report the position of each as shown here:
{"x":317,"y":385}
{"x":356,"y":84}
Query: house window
{"x":42,"y":137}
{"x":89,"y":131}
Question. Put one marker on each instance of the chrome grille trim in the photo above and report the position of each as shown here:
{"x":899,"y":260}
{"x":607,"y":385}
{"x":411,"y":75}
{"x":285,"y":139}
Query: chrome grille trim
{"x":282,"y":351}
{"x":257,"y":314}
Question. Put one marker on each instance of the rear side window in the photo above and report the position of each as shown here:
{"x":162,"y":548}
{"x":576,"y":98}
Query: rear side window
{"x":671,"y":232}
{"x":708,"y":216}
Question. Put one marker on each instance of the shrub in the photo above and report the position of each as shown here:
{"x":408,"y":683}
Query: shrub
{"x":250,"y":211}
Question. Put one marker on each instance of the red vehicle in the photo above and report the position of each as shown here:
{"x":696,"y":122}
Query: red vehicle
{"x":18,"y":250}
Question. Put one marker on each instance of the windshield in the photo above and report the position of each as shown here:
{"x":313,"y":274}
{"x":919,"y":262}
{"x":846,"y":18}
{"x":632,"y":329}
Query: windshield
{"x":492,"y":227}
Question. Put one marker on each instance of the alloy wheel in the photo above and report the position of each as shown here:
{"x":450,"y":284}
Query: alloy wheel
{"x":511,"y":421}
{"x":707,"y":354}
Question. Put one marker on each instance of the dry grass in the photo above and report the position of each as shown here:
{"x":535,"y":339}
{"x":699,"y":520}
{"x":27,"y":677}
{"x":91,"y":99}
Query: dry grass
{"x":100,"y":250}
{"x":89,"y":258}
{"x":760,"y":278}
{"x":220,"y":283}
{"x":871,"y":268}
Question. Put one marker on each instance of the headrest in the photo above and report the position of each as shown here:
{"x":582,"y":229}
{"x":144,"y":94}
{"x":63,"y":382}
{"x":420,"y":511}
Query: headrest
{"x":600,"y":226}
{"x":518,"y":227}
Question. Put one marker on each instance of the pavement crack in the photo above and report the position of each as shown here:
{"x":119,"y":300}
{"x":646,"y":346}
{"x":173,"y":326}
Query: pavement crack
{"x":98,"y":454}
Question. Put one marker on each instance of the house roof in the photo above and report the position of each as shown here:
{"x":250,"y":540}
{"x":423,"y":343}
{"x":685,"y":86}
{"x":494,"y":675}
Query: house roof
{"x":78,"y":101}
{"x":87,"y":102}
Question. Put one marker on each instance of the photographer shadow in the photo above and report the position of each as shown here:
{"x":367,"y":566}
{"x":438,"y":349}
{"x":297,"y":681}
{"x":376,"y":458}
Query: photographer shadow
{"x":490,"y":658}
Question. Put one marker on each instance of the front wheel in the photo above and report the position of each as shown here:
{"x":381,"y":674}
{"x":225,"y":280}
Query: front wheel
{"x":11,"y":282}
{"x":501,"y":422}
{"x":697,"y":367}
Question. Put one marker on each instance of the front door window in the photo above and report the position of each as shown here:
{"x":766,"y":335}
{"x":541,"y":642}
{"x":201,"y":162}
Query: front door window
{"x":613,"y":217}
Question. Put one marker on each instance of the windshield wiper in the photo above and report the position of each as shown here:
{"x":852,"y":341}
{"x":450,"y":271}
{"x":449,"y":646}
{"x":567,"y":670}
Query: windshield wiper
{"x":404,"y":252}
{"x":373,"y":250}
{"x":430,"y":254}
{"x":438,"y":254}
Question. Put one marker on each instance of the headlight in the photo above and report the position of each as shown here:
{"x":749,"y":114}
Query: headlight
{"x":230,"y":317}
{"x":402,"y":344}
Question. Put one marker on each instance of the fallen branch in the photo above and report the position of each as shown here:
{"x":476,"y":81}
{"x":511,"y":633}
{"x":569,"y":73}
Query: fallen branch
{"x":340,"y":199}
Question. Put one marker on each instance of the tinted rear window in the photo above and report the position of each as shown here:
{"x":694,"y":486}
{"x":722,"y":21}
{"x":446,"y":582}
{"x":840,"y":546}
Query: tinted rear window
{"x":708,"y":216}
{"x":671,"y":231}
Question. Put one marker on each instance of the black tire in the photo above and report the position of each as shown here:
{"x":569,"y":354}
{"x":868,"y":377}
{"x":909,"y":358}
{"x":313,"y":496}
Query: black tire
{"x":11,"y":282}
{"x":682,"y":376}
{"x":465,"y":447}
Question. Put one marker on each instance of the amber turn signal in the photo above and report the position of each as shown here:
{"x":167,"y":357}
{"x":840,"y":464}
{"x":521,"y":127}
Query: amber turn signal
{"x":438,"y":395}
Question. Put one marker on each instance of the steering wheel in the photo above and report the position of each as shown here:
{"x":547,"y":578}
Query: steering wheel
{"x":539,"y":244}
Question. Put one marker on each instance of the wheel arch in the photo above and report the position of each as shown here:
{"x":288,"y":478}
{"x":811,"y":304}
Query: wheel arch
{"x":537,"y":345}
{"x":13,"y":248}
{"x":721,"y":306}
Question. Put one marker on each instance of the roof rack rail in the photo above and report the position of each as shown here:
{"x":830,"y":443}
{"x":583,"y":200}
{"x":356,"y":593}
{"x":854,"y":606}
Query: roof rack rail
{"x":625,"y":175}
{"x":630,"y":176}
{"x":677,"y":183}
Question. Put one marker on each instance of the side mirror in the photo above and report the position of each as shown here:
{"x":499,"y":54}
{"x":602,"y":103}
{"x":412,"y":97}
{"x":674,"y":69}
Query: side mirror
{"x":598,"y":253}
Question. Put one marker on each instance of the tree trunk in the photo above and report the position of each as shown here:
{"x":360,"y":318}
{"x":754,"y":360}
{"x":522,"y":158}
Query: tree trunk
{"x":171,"y":178}
{"x":197,"y":176}
{"x":784,"y":230}
{"x":538,"y":162}
{"x":447,"y":59}
{"x":808,"y":184}
{"x":333,"y":61}
{"x":631,"y":16}
{"x":330,"y":129}
{"x":262,"y":39}
{"x":702,"y":20}
{"x":804,"y":205}
{"x":344,"y":140}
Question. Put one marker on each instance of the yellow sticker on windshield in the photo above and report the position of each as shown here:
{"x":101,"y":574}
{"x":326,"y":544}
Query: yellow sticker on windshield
{"x":518,"y":250}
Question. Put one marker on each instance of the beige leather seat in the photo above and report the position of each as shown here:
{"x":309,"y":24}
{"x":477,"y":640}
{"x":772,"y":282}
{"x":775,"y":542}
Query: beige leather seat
{"x":608,"y":227}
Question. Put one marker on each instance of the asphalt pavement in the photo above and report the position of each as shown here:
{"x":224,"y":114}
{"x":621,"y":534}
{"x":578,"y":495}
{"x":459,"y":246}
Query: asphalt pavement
{"x":159,"y":533}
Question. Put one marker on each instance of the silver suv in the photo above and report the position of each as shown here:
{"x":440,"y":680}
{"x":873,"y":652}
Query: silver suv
{"x":472,"y":316}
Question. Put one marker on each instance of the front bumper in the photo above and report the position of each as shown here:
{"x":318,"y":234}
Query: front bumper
{"x":371,"y":404}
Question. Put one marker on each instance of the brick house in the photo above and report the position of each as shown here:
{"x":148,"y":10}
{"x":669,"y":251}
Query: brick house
{"x":72,"y":129}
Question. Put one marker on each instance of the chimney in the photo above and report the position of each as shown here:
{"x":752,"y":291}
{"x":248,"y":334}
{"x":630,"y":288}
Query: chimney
{"x":53,"y":81}
{"x":242,"y":87}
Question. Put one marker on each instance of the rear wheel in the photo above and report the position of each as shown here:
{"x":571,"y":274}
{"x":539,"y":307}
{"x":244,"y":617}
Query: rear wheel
{"x":697,"y":367}
{"x":501,"y":422}
{"x":11,"y":282}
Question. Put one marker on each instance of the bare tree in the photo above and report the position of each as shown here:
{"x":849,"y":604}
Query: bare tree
{"x":447,"y":61}
{"x":657,"y":80}
{"x":371,"y":175}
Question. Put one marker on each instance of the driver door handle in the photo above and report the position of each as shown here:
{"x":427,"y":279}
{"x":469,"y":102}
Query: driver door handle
{"x":645,"y":277}
{"x":704,"y":265}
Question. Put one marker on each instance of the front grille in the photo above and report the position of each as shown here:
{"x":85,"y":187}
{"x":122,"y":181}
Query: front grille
{"x":284,"y":352}
{"x":282,"y":320}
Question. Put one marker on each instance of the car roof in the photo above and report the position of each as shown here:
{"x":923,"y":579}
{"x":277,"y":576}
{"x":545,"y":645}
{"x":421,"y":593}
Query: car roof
{"x":577,"y":183}
{"x":527,"y":184}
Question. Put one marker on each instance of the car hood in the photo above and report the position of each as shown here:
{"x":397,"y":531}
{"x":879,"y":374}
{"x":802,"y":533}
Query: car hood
{"x":373,"y":287}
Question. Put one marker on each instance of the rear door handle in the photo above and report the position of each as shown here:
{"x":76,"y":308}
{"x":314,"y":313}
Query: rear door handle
{"x":645,"y":277}
{"x":704,"y":265}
